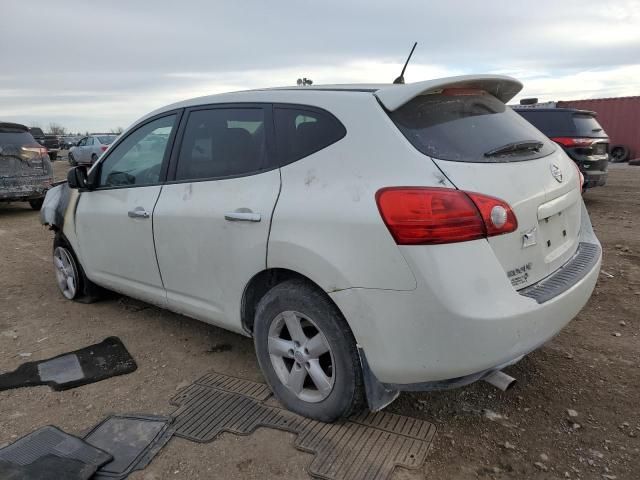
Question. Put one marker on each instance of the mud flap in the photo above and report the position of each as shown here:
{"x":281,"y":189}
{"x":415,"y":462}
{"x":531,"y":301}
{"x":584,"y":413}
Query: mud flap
{"x":378,"y":395}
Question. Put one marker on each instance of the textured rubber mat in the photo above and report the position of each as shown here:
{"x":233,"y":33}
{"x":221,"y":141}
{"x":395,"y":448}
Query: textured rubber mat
{"x":132,"y":440}
{"x":46,"y":450}
{"x":367,"y":446}
{"x":49,"y":467}
{"x":87,"y":365}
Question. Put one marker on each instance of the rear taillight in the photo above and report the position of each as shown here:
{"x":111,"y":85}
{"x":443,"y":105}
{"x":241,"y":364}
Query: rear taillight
{"x":573,"y":142}
{"x":428,"y":216}
{"x":39,"y":150}
{"x":104,"y":148}
{"x":580,"y":176}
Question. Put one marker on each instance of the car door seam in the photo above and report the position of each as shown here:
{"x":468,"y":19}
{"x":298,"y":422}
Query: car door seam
{"x":273,"y":211}
{"x":153,"y":237}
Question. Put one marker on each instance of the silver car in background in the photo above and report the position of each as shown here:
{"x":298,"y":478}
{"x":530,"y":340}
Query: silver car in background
{"x":89,"y":149}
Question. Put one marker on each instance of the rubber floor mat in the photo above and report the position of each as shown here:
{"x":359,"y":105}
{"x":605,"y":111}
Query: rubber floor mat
{"x":69,"y":370}
{"x":49,"y":467}
{"x":49,"y":449}
{"x":367,"y":446}
{"x":132,"y":440}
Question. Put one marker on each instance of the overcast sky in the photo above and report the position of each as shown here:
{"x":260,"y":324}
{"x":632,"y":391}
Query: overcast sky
{"x":96,"y":66}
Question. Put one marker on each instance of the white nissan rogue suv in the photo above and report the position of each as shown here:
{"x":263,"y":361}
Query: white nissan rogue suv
{"x":372,"y":239}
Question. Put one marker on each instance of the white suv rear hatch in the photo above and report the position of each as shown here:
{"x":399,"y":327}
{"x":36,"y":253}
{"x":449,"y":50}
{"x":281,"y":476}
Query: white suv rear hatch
{"x":482,"y":146}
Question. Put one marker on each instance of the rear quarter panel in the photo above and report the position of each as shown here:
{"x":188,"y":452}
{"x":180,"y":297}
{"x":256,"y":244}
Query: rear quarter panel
{"x":326,"y":224}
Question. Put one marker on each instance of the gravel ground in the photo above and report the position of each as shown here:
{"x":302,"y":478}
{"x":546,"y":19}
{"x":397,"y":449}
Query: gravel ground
{"x":575,"y":412}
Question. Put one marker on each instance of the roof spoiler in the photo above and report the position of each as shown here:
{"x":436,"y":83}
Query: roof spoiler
{"x":502,"y":87}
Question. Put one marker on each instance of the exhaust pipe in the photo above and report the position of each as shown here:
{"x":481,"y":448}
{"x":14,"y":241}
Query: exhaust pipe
{"x":500,"y":380}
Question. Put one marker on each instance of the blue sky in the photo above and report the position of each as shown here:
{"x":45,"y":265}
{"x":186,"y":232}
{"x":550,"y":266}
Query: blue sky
{"x":95,"y":67}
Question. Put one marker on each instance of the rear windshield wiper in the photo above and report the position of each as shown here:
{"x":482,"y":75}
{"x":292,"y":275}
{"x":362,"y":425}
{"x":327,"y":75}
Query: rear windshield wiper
{"x":516,"y":147}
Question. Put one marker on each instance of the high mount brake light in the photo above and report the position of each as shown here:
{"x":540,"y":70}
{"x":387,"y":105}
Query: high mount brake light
{"x":429,"y":216}
{"x":573,"y":142}
{"x":456,"y":92}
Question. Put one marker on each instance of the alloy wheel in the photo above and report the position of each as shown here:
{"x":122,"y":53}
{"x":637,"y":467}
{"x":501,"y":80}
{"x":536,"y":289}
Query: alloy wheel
{"x":66,"y":273}
{"x":301,"y":356}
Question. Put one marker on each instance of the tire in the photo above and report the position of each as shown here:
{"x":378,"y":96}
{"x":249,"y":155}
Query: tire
{"x":37,"y":203}
{"x":317,"y":325}
{"x":72,"y":161}
{"x":70,"y":277}
{"x":53,"y":156}
{"x":619,"y":153}
{"x":94,"y":158}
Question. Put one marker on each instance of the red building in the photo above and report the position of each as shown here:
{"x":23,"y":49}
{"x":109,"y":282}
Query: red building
{"x":620,"y":118}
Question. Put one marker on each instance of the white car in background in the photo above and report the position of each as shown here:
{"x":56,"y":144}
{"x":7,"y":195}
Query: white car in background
{"x":372,"y":239}
{"x":88,"y":149}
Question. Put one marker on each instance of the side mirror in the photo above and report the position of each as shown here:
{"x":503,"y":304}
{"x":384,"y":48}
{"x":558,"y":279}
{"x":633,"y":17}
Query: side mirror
{"x":77,"y":178}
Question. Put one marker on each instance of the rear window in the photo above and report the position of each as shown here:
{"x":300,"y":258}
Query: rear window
{"x":16,"y":138}
{"x":562,"y":123}
{"x":463,"y":127}
{"x":106,"y":140}
{"x":587,"y":126}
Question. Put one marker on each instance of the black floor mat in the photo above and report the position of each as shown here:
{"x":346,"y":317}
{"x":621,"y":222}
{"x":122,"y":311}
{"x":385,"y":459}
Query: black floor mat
{"x":87,"y":365}
{"x":50,"y":453}
{"x":49,"y":467}
{"x":132,"y":440}
{"x":367,"y":446}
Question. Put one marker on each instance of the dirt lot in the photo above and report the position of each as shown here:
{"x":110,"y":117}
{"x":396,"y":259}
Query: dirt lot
{"x":592,"y":367}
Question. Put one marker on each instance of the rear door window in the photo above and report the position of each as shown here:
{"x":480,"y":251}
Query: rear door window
{"x":222,"y":142}
{"x":463,"y":127}
{"x":301,"y":132}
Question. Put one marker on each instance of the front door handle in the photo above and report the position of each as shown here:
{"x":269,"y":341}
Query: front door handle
{"x":138,"y":212}
{"x":242,"y":215}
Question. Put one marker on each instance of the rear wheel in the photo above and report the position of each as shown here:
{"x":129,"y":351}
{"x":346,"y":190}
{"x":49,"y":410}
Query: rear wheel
{"x":94,"y":158}
{"x":53,"y":156}
{"x":37,"y":203}
{"x":307,"y":352}
{"x":72,"y":161}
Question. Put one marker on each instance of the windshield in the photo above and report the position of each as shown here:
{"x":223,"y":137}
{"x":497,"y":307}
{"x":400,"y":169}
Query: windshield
{"x":464,"y":127}
{"x":106,"y":139}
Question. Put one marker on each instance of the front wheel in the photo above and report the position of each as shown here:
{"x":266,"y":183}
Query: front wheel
{"x":70,"y":277}
{"x":307,"y":352}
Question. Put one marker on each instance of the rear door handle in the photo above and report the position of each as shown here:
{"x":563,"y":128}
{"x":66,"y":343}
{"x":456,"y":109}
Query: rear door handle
{"x":138,"y":212}
{"x":242,"y":216}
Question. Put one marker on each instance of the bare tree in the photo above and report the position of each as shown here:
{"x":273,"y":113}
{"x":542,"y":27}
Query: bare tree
{"x":117,"y":130}
{"x":56,"y":129}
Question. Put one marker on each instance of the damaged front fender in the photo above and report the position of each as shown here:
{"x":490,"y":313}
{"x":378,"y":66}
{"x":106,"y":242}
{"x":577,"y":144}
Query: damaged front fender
{"x":55,"y":206}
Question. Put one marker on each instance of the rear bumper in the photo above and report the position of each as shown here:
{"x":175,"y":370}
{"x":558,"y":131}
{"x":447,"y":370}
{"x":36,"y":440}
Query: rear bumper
{"x":14,"y":189}
{"x":463,"y":320}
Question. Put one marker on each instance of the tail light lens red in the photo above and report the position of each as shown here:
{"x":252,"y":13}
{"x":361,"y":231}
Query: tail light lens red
{"x":573,"y":142}
{"x":429,"y":216}
{"x":104,"y":148}
{"x":580,"y":177}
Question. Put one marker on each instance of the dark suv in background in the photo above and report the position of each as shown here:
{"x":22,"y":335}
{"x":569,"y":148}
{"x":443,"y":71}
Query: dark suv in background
{"x":579,"y":134}
{"x":25,"y":170}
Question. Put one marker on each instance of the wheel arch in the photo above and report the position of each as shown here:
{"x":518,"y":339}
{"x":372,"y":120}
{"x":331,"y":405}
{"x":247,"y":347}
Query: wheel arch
{"x":264,"y":281}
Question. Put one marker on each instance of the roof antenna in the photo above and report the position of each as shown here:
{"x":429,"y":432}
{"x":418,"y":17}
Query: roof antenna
{"x":400,"y":79}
